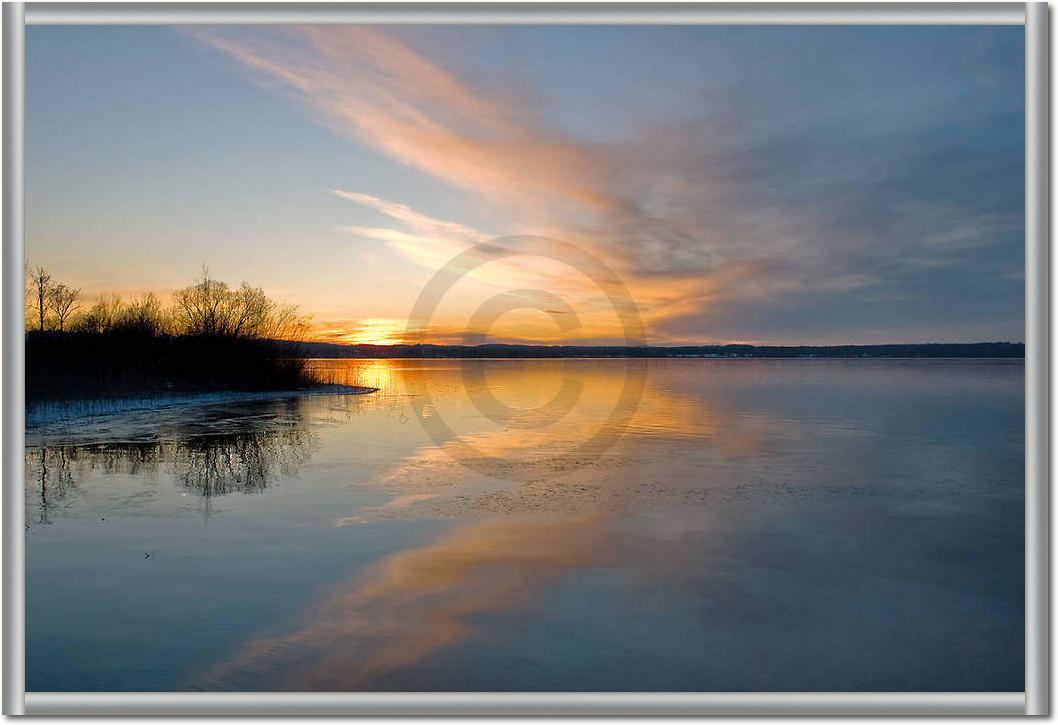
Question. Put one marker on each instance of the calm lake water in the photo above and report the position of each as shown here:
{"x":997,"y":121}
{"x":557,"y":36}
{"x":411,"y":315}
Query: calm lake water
{"x":750,"y":525}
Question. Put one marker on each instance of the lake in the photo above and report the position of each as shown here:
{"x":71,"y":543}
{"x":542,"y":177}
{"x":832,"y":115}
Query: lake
{"x":543,"y":525}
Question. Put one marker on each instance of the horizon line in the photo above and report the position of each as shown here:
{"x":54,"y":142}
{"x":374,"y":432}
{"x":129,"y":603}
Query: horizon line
{"x":657,"y":347}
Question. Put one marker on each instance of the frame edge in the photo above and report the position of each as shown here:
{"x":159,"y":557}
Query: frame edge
{"x":562,"y":704}
{"x":13,"y":390}
{"x":1036,"y":699}
{"x":1037,"y":360}
{"x":756,"y":13}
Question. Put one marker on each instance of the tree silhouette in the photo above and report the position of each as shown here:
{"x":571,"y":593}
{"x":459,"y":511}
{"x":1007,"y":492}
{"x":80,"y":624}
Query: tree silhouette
{"x":212,"y":337}
{"x":64,"y":302}
{"x":41,"y":283}
{"x":210,"y":308}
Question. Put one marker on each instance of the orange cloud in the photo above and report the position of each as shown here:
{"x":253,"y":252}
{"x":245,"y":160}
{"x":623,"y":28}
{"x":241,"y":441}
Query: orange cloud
{"x":676,"y":228}
{"x":378,"y":90}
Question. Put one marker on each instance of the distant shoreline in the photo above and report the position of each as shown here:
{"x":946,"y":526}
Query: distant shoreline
{"x":683,"y":357}
{"x":978,"y":350}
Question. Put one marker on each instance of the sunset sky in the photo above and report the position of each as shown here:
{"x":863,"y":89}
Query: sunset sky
{"x":764,"y":184}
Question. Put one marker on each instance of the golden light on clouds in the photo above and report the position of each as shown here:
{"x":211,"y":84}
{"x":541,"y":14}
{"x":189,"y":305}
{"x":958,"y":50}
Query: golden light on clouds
{"x":377,"y":331}
{"x":721,"y":193}
{"x":375,"y":88}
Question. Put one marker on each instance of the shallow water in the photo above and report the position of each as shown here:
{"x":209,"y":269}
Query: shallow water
{"x":495,"y":525}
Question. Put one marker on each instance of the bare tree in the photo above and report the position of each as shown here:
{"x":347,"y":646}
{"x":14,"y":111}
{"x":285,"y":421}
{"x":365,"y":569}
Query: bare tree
{"x":209,"y":307}
{"x":64,"y":302}
{"x":143,"y":316}
{"x":286,"y":323}
{"x":251,"y":310}
{"x":40,"y":281}
{"x":102,"y":316}
{"x":205,"y":306}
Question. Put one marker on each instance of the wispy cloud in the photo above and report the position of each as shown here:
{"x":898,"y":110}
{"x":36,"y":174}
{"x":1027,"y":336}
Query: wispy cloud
{"x":699,"y":218}
{"x":375,"y":88}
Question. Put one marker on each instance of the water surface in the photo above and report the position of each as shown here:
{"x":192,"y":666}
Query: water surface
{"x":751,"y":525}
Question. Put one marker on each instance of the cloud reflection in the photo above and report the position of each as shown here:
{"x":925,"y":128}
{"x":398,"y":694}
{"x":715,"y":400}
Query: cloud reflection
{"x":413,"y":604}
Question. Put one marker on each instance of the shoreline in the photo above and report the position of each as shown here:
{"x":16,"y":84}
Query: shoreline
{"x":679,"y":357}
{"x":40,"y":416}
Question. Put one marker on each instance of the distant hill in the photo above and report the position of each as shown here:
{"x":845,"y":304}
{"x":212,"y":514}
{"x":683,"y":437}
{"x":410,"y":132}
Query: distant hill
{"x":927,"y":350}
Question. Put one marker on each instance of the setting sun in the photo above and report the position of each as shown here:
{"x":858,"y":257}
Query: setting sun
{"x":379,"y":331}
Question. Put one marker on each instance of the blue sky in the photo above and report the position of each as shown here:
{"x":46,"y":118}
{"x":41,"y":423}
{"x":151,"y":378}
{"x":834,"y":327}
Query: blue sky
{"x":830,"y":184}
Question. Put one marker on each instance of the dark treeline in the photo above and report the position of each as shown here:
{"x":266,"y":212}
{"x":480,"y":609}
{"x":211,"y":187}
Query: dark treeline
{"x":84,"y":365}
{"x":926,"y":350}
{"x":212,"y":337}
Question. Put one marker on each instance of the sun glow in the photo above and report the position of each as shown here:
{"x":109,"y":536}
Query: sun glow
{"x":375,"y":331}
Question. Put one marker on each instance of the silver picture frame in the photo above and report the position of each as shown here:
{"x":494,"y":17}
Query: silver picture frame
{"x":1035,"y":700}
